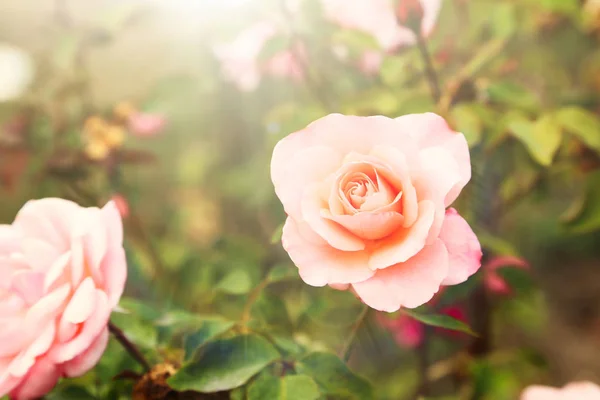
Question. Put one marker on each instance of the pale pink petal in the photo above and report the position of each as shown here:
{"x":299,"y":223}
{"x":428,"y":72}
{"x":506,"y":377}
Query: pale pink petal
{"x":88,"y":359}
{"x":463,"y":247}
{"x":29,"y":285}
{"x":56,"y":271}
{"x":332,"y":232}
{"x":91,"y":328}
{"x":10,"y":239}
{"x":21,"y":364}
{"x":313,"y":164}
{"x":82,"y":303}
{"x":114,"y":270}
{"x":431,"y":130}
{"x":404,"y":244}
{"x":408,"y":284}
{"x":367,"y":225}
{"x":542,"y":393}
{"x":95,"y":240}
{"x":47,"y":308}
{"x":320,"y":265}
{"x":40,"y":380}
{"x":39,"y":254}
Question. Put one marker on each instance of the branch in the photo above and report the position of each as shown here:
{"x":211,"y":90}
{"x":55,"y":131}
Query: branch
{"x":128,"y":346}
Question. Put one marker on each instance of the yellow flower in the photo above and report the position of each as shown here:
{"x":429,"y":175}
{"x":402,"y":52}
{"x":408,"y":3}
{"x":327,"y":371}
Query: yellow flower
{"x":97,"y":150}
{"x":124,"y":110}
{"x":113,"y":136}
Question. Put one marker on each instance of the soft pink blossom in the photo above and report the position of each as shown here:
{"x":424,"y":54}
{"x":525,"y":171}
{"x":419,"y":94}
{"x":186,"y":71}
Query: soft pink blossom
{"x":370,"y":62}
{"x":407,"y":331}
{"x":63,"y":270}
{"x":366,"y":199}
{"x":122,"y":204}
{"x":377,"y":17}
{"x":146,"y":124}
{"x":240,"y":58}
{"x":496,"y":283}
{"x":572,"y":391}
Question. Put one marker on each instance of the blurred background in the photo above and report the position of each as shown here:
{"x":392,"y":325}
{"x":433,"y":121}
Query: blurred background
{"x":172,"y":109}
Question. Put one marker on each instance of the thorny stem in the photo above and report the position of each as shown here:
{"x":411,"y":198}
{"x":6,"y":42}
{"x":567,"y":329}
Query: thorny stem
{"x":430,"y":73}
{"x":129,"y":346}
{"x":347,"y":349}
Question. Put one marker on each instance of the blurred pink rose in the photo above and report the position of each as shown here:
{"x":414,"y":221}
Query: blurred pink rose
{"x":370,"y":62}
{"x":573,"y":391}
{"x":377,"y":17}
{"x":240,"y":58}
{"x":493,"y":281}
{"x":122,"y":204}
{"x":63,"y":271}
{"x":366,"y":200}
{"x":407,"y":331}
{"x":145,"y":124}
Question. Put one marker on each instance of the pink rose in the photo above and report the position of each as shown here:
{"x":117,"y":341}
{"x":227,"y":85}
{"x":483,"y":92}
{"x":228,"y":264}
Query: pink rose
{"x":496,"y":283}
{"x":240,"y":58}
{"x":573,"y":391}
{"x":407,"y":331}
{"x":366,"y":200}
{"x":63,"y":271}
{"x":145,"y":124}
{"x":122,"y":204}
{"x":377,"y":17}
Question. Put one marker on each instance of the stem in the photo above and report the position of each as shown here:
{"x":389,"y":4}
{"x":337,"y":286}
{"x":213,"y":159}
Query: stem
{"x":347,"y":349}
{"x":129,"y":346}
{"x":432,"y":78}
{"x":252,"y":297}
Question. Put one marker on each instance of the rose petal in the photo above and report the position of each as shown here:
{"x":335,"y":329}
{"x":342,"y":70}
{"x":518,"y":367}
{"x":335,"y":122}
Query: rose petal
{"x":407,"y":242}
{"x":88,"y":359}
{"x":114,"y":270}
{"x":320,"y":265}
{"x":367,"y":225}
{"x":21,"y":364}
{"x":431,"y":130}
{"x":310,"y":165}
{"x":334,"y":234}
{"x":82,"y":303}
{"x":408,"y":284}
{"x":42,"y":377}
{"x":463,"y":247}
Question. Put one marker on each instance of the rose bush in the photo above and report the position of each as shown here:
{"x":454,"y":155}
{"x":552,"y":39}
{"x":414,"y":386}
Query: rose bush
{"x":63,"y":269}
{"x":366,"y":199}
{"x":572,"y":391}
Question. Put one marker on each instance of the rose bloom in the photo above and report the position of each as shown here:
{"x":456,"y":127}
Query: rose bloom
{"x":377,"y":18}
{"x":573,"y":391}
{"x":240,"y":59}
{"x":366,"y":200}
{"x":493,"y":281}
{"x":146,"y":124}
{"x":62,"y":271}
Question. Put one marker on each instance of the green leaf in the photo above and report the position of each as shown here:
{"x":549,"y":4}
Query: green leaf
{"x":269,"y":313}
{"x":586,"y":216}
{"x":236,"y":282}
{"x":209,"y":330}
{"x":138,"y":308}
{"x":441,"y":321}
{"x":497,"y":245}
{"x":516,"y":278}
{"x":541,"y":138}
{"x":334,"y":377}
{"x":70,"y":393}
{"x":583,"y":124}
{"x":291,"y":387}
{"x":467,"y":121}
{"x":142,"y":333}
{"x":282,"y":272}
{"x":276,"y":237}
{"x":225,"y":364}
{"x":513,"y":95}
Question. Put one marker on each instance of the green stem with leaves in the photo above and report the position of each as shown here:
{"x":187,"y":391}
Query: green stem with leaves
{"x":430,"y":73}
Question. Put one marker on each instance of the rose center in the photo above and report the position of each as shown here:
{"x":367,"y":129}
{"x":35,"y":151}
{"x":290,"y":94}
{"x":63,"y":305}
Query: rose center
{"x":367,"y":191}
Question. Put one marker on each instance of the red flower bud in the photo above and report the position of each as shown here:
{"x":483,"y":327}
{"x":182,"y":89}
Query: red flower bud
{"x":410,"y":14}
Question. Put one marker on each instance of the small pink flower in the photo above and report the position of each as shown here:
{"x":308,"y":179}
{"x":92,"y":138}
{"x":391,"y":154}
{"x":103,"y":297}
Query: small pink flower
{"x":122,"y":205}
{"x":370,"y":62}
{"x":572,"y":391}
{"x":366,"y":200}
{"x":286,"y":64}
{"x":377,"y":17}
{"x":407,"y":331}
{"x":493,"y":281}
{"x":145,"y":124}
{"x":63,"y":271}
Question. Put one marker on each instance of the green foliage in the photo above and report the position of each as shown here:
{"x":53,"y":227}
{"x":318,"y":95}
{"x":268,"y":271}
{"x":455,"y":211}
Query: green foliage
{"x":440,"y":321}
{"x":225,"y":364}
{"x":290,"y":387}
{"x":334,"y":378}
{"x":208,"y":330}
